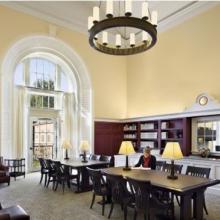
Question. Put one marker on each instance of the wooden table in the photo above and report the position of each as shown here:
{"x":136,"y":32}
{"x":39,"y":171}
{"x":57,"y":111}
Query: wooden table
{"x":84,"y":184}
{"x":185,"y":186}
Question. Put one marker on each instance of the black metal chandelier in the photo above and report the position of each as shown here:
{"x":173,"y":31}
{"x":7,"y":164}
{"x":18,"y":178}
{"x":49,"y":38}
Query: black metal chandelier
{"x":139,"y":33}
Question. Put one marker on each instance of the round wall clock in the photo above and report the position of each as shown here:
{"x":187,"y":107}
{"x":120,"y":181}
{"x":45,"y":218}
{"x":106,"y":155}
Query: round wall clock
{"x":203,"y":100}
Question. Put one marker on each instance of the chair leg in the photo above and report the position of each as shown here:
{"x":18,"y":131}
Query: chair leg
{"x":177,"y":199}
{"x":103,"y":205}
{"x":205,"y":208}
{"x":45,"y":181}
{"x":93,"y":200}
{"x":41,"y":178}
{"x":111,"y":209}
{"x":135,"y":214}
{"x":56,"y":186}
{"x":48,"y":182}
{"x":63,"y":185}
{"x":125,"y":212}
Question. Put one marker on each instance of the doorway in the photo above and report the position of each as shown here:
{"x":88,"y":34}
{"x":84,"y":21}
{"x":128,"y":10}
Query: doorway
{"x":43,"y":141}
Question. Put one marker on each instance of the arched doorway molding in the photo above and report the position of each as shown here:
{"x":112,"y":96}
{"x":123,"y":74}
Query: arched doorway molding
{"x":49,"y":45}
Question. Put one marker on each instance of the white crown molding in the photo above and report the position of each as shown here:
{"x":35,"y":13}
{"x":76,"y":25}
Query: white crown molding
{"x":185,"y":14}
{"x":171,"y":21}
{"x":73,"y":25}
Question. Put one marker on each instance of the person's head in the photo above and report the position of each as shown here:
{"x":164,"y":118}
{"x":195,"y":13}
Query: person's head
{"x":147,"y":151}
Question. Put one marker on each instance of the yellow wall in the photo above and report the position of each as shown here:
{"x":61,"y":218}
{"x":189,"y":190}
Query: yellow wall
{"x":184,"y":63}
{"x":108,"y":73}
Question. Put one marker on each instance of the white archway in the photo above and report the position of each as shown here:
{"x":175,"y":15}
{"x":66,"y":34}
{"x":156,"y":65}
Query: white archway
{"x":54,"y":46}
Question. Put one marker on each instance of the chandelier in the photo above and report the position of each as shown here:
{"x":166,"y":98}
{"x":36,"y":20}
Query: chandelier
{"x":124,"y":34}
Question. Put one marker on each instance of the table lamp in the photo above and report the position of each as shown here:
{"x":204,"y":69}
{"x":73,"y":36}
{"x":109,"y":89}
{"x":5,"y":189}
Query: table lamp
{"x":126,"y":149}
{"x":84,"y":147}
{"x":66,"y":145}
{"x":172,"y":151}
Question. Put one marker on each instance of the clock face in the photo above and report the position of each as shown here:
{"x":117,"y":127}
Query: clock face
{"x":203,"y":100}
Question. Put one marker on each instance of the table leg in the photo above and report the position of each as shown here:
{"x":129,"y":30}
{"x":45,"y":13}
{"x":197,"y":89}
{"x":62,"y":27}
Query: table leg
{"x":84,"y":183}
{"x":198,"y":200}
{"x":185,"y":207}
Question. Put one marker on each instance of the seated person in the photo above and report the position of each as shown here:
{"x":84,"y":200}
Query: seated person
{"x":147,"y":160}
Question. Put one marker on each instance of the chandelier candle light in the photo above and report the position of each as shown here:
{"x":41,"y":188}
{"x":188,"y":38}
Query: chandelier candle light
{"x":172,"y":151}
{"x":126,"y":149}
{"x":84,"y":147}
{"x":123,"y":34}
{"x":66,"y":145}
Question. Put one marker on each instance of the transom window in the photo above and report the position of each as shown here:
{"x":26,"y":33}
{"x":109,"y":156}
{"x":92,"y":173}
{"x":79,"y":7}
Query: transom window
{"x":45,"y":81}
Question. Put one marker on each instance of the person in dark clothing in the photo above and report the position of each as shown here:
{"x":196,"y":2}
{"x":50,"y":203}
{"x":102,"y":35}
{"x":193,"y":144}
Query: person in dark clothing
{"x":147,"y":160}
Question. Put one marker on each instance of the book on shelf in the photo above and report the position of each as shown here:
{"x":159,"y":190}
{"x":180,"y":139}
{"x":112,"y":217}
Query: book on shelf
{"x":147,"y":126}
{"x":164,"y":125}
{"x":164,"y":135}
{"x":149,"y":135}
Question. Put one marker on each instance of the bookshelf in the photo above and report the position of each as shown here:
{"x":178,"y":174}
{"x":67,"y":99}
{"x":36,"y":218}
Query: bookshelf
{"x":158,"y":132}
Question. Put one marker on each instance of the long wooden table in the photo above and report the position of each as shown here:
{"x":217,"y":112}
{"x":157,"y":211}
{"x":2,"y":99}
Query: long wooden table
{"x":185,"y":186}
{"x":81,"y":168}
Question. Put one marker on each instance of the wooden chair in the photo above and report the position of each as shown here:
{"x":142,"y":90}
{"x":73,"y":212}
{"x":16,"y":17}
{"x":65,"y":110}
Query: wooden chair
{"x":44,"y":170}
{"x":177,"y":168}
{"x":199,"y":172}
{"x":119,"y":193}
{"x":94,"y":157}
{"x":145,"y":200}
{"x":99,"y":187}
{"x":160,"y":165}
{"x":51,"y":171}
{"x":60,"y":176}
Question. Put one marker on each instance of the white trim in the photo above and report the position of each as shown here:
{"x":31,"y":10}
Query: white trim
{"x":73,"y":25}
{"x":50,"y":45}
{"x":171,"y":21}
{"x":185,"y":14}
{"x":164,"y":116}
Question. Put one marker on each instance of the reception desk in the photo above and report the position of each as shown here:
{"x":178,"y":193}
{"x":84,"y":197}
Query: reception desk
{"x":197,"y":161}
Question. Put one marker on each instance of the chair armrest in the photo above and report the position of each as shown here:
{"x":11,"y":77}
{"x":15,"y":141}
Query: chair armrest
{"x":4,"y":216}
{"x":5,"y":168}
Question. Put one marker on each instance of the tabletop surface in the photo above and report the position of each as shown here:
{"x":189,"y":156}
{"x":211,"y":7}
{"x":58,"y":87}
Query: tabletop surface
{"x":159,"y":179}
{"x":79,"y":163}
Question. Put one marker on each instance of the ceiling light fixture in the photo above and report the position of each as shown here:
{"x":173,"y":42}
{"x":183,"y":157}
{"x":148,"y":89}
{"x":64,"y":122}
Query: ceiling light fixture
{"x":124,"y":34}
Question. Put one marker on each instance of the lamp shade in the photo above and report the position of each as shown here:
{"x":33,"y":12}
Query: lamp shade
{"x":84,"y":146}
{"x":172,"y":151}
{"x":66,"y":144}
{"x":126,"y":148}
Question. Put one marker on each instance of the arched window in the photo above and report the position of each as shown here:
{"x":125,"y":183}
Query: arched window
{"x":45,"y":90}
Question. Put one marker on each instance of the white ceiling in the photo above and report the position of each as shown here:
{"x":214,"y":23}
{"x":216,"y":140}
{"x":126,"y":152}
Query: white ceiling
{"x":74,"y":14}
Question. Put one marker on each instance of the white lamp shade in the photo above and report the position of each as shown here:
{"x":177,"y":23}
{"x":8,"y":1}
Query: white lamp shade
{"x":109,"y":7}
{"x":105,"y":37}
{"x":132,"y":39}
{"x":66,"y":144}
{"x":95,"y":14}
{"x":128,"y":7}
{"x":90,"y":22}
{"x":84,"y":146}
{"x":145,"y":10}
{"x":126,"y":148}
{"x":118,"y":40}
{"x":172,"y":151}
{"x":154,"y":15}
{"x":145,"y":37}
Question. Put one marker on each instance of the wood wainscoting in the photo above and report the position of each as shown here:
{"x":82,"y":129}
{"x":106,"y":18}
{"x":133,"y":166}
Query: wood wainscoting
{"x":108,"y":137}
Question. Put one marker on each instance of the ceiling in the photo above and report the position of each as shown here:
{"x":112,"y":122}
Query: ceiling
{"x":74,"y":14}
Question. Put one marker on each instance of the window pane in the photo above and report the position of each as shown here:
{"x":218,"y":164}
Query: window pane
{"x":39,"y":101}
{"x":51,"y":102}
{"x":33,"y":101}
{"x":45,"y":101}
{"x":18,"y":77}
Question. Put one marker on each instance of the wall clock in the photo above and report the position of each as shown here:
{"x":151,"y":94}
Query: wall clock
{"x":203,"y":100}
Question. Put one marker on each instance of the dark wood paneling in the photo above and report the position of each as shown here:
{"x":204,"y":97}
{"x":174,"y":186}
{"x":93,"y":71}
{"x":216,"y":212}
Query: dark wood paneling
{"x":108,"y":137}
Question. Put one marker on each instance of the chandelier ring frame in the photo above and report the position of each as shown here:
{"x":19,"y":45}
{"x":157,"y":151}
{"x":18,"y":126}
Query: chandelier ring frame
{"x":114,"y":22}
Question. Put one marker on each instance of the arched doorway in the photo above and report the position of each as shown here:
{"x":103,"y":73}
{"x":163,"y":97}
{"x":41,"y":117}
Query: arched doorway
{"x":51,"y":51}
